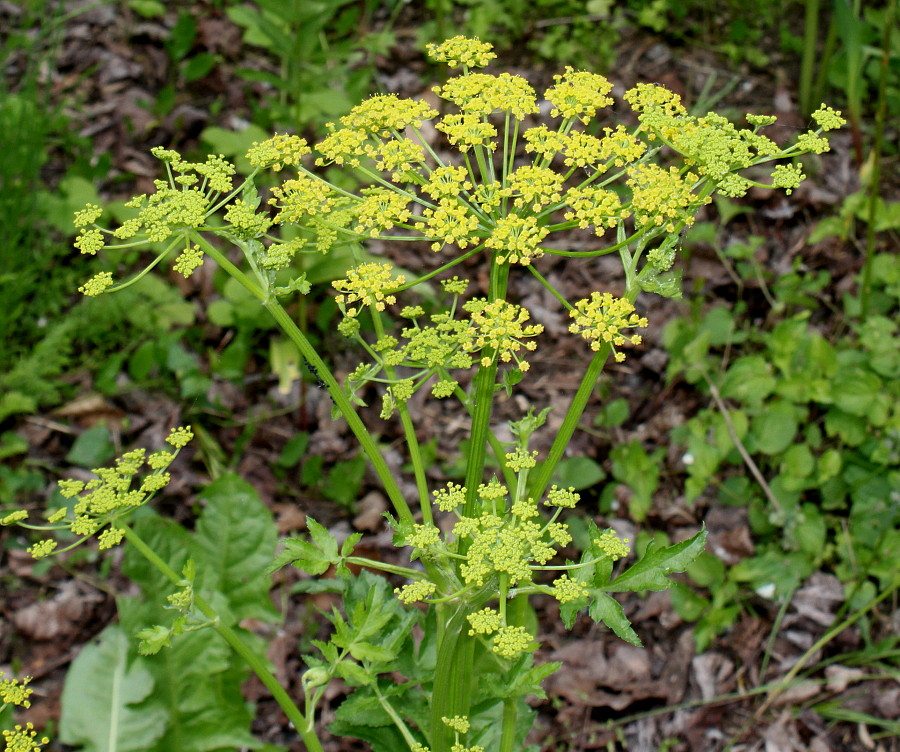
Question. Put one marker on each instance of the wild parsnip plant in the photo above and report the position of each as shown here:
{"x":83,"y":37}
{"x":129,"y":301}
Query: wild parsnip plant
{"x":502,"y":189}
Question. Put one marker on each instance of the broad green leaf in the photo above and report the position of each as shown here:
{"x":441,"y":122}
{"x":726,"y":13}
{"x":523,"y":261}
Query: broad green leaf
{"x":238,"y":537}
{"x":652,"y":570}
{"x":201,"y":675}
{"x":608,"y":610}
{"x":774,"y":429}
{"x":92,"y":449}
{"x":578,"y":473}
{"x":101,"y":686}
{"x":748,"y":380}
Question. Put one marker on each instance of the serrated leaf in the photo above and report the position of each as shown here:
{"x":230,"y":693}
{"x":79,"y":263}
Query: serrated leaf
{"x":100,"y":687}
{"x":609,"y":611}
{"x":353,"y":673}
{"x":363,"y":708}
{"x":349,"y":544}
{"x":652,"y":570}
{"x":302,"y":554}
{"x":322,"y":539}
{"x":529,"y":682}
{"x":153,"y":639}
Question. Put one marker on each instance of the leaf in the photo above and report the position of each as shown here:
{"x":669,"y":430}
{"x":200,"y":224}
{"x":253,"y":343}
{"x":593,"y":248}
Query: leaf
{"x":366,"y":651}
{"x":774,"y":428}
{"x":652,"y":570}
{"x":363,"y":708}
{"x":92,"y":449}
{"x":201,"y":675}
{"x":238,"y":536}
{"x":303,"y":555}
{"x":529,"y":682}
{"x":578,"y":473}
{"x":99,"y":688}
{"x":609,"y":611}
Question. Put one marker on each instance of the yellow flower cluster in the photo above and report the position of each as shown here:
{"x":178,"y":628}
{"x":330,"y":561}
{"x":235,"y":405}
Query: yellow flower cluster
{"x":385,"y":113}
{"x":460,"y":51}
{"x":114,"y":493}
{"x":415,"y":591}
{"x":499,"y":328}
{"x":367,"y":284}
{"x":301,"y":198}
{"x":482,"y":94}
{"x":23,"y":739}
{"x":601,"y":319}
{"x":614,"y":547}
{"x":578,"y":94}
{"x":15,"y":691}
{"x":380,"y":209}
{"x":662,"y":197}
{"x":534,"y":187}
{"x":594,"y":206}
{"x":517,"y":239}
{"x":278,"y":152}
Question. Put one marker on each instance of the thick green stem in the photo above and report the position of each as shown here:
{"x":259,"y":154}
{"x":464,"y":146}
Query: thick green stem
{"x":510,"y":714}
{"x":481,"y":422}
{"x":453,"y":678}
{"x":256,"y":664}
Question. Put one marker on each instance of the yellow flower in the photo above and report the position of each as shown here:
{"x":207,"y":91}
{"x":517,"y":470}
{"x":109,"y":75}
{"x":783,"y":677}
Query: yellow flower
{"x":578,"y":94}
{"x":499,"y":327}
{"x":461,"y":51}
{"x":517,"y":239}
{"x":601,"y":319}
{"x":367,"y":284}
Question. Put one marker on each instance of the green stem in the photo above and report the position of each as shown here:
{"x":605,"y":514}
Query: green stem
{"x":409,"y":433}
{"x":453,"y":678}
{"x":544,"y":472}
{"x":510,"y":715}
{"x":257,"y":665}
{"x":347,"y":409}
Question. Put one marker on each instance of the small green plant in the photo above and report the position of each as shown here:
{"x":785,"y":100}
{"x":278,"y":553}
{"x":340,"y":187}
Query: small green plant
{"x":803,"y":430}
{"x":478,"y":550}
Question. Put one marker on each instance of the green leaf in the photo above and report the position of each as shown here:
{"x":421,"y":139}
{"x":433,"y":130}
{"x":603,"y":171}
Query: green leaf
{"x":578,"y":473}
{"x":775,"y":427}
{"x":354,"y":674}
{"x":609,"y":611}
{"x":92,"y":449}
{"x":238,"y":537}
{"x":529,"y":682}
{"x":303,"y":555}
{"x":202,"y":676}
{"x":640,"y":472}
{"x":748,"y":380}
{"x":366,"y":651}
{"x":100,"y":687}
{"x":362,"y":708}
{"x":652,"y":570}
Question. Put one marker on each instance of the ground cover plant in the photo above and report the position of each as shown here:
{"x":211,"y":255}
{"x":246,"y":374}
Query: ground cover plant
{"x":479,"y":550}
